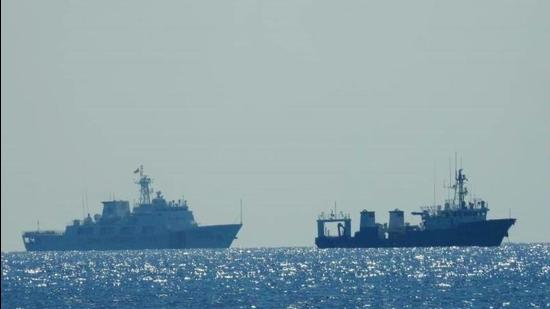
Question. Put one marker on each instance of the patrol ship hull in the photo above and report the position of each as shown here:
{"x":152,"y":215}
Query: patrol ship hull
{"x":210,"y":236}
{"x":153,"y":223}
{"x":483,"y":234}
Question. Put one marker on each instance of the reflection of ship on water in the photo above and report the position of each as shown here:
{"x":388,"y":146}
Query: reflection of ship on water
{"x":457,"y":223}
{"x":152,"y":224}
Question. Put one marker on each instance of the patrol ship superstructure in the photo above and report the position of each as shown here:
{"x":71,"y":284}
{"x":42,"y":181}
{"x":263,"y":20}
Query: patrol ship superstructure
{"x":152,"y":224}
{"x":457,"y":223}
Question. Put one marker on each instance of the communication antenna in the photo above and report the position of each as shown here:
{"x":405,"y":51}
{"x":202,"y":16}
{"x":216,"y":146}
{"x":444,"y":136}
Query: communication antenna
{"x":450,"y":181}
{"x":86,"y":197}
{"x":38,"y":225}
{"x":434,"y":180}
{"x":83,"y":211}
{"x":455,"y":166}
{"x":241,"y":211}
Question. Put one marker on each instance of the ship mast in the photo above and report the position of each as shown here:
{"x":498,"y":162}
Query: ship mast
{"x":144,"y":190}
{"x":454,"y":186}
{"x":462,"y":190}
{"x":459,"y":187}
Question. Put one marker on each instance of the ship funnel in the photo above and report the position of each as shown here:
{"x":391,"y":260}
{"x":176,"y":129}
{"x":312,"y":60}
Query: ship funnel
{"x":397,"y":220}
{"x":367,"y":219}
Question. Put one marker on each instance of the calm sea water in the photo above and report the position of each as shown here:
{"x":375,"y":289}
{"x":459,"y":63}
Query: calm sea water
{"x":508,"y":276}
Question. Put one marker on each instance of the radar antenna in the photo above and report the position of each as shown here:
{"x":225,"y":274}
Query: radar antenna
{"x":144,"y":190}
{"x":462,"y":190}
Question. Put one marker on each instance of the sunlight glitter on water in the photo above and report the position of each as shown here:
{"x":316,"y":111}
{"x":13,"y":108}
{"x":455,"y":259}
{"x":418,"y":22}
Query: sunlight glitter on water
{"x":515,"y":275}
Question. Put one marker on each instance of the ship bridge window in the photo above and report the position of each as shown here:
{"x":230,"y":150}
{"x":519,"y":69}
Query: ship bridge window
{"x":106,"y":230}
{"x":85,"y":231}
{"x":127,"y":230}
{"x":147,"y":229}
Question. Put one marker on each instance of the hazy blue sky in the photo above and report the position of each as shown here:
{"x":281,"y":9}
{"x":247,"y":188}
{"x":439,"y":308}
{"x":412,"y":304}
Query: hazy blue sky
{"x":289,"y":105}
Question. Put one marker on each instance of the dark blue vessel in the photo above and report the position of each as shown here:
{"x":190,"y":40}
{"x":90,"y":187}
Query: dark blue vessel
{"x":152,"y":224}
{"x":457,"y":223}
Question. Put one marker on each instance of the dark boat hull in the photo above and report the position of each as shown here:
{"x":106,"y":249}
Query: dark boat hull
{"x":484,"y":234}
{"x":213,"y":236}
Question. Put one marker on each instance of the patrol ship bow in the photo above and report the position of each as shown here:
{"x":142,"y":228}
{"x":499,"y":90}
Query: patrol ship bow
{"x":457,"y":223}
{"x":152,"y":224}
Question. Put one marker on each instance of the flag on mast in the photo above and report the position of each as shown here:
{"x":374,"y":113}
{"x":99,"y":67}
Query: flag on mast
{"x":136,"y":171}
